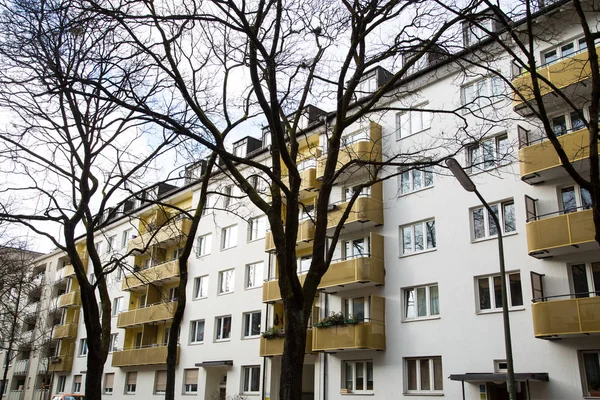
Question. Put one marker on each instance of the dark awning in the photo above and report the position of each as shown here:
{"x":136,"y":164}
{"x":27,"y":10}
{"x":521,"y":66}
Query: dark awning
{"x":491,"y":377}
{"x":221,"y":363}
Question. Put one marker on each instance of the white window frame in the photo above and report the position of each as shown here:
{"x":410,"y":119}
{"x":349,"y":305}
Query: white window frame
{"x":110,"y":243}
{"x":593,"y":291}
{"x":248,"y":319}
{"x":411,"y":229}
{"x":473,"y":33}
{"x":350,"y":251}
{"x":254,"y":275}
{"x":203,"y":245}
{"x":194,"y":325}
{"x":189,"y":388}
{"x":482,"y":92}
{"x":113,"y":342}
{"x":424,"y":181}
{"x":77,"y":385}
{"x":349,"y":191}
{"x":584,"y":380}
{"x":83,"y":348}
{"x":200,"y":287}
{"x":579,"y":45}
{"x":429,"y":310}
{"x":488,"y":221}
{"x":125,"y":237}
{"x":303,"y":264}
{"x":257,"y":228}
{"x":431,"y":366}
{"x":247,"y":373}
{"x":494,"y":307}
{"x":60,"y":385}
{"x":223,"y":287}
{"x":579,"y":203}
{"x":570,"y":122}
{"x":229,"y":237}
{"x":411,"y":122}
{"x":490,"y":148}
{"x":220,"y":324}
{"x":130,"y":388}
{"x":352,"y":365}
{"x":117,"y":304}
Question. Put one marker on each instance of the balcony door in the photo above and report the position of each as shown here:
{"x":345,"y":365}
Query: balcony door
{"x":585,"y":279}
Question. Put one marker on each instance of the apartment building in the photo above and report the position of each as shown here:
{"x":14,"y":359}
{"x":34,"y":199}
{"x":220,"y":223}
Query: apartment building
{"x":410,"y":305}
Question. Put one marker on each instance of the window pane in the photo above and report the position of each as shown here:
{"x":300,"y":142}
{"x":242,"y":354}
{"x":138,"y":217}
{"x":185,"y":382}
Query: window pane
{"x":484,"y":294}
{"x":422,"y":302}
{"x":434,"y":300}
{"x":369,"y":375}
{"x":586,"y":199}
{"x":491,"y":223}
{"x":592,"y":371}
{"x":498,"y":292}
{"x":478,"y":223}
{"x":358,"y":308}
{"x":405,"y":182}
{"x":409,"y":300}
{"x":349,"y":376}
{"x":580,"y":282}
{"x":411,"y":372}
{"x":255,"y":379}
{"x":489,"y":154}
{"x":424,"y":370}
{"x":406,"y":240}
{"x":417,"y":180}
{"x":576,"y":121}
{"x":431,"y":243}
{"x":438,"y":379}
{"x":475,"y":157}
{"x":582,"y":44}
{"x":569,"y":202}
{"x":559,"y":125}
{"x":418,"y":237}
{"x":360,"y":381}
{"x":550,"y":56}
{"x":516,"y":294}
{"x":255,"y":324}
{"x":508,"y":211}
{"x":567,"y":49}
{"x":428,"y":178}
{"x":596,"y":277}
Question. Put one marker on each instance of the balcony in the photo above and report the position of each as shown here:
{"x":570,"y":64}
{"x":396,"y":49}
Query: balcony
{"x":59,"y":276}
{"x":21,"y":367}
{"x":169,"y":234}
{"x":558,"y":318}
{"x":155,"y":313}
{"x":564,"y":74}
{"x":352,"y":273}
{"x":165,"y":272}
{"x":71,"y":299}
{"x":306,"y":234}
{"x":43,"y":366}
{"x":66,"y":331}
{"x":366,"y":211}
{"x":274,"y":347}
{"x":61,"y":364}
{"x":156,"y":355}
{"x":363,"y":145}
{"x":539,"y":162}
{"x":363,"y":335}
{"x":310,"y":183}
{"x":16,"y":395}
{"x":561,"y":234}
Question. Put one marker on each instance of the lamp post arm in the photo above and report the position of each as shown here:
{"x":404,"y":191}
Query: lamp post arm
{"x":510,"y":381}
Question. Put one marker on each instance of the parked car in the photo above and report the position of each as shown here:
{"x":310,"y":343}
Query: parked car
{"x":67,"y":396}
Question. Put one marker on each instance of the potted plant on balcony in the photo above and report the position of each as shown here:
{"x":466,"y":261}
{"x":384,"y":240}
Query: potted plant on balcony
{"x":273,"y":333}
{"x":333,"y":319}
{"x":351,"y":320}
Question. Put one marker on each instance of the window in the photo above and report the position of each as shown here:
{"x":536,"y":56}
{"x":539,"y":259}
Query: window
{"x":585,"y":279}
{"x":83,"y":348}
{"x":125,"y":236}
{"x":483,"y":222}
{"x":110,"y":243}
{"x":239,"y":149}
{"x":257,"y":227}
{"x":413,"y":180}
{"x":229,"y":237}
{"x":116,"y":305}
{"x":423,"y":374}
{"x":482,"y":93}
{"x":564,"y":50}
{"x":98,"y":246}
{"x":488,"y":154}
{"x":349,"y":192}
{"x":418,"y":237}
{"x":190,"y":383}
{"x":258,"y":183}
{"x":575,"y":198}
{"x":173,"y":294}
{"x":303,"y":264}
{"x":201,"y":287}
{"x":566,"y":123}
{"x":358,"y":375}
{"x":356,"y":248}
{"x":251,"y":379}
{"x":254,"y":275}
{"x":590,"y":374}
{"x":227,"y":193}
{"x":366,"y":87}
{"x":114,"y":342}
{"x":355,"y":308}
{"x":355,"y":137}
{"x":118,"y":275}
{"x":203,"y":244}
{"x":131,"y":382}
{"x":160,"y":382}
{"x":197,"y":331}
{"x":307,"y":212}
{"x":489,"y":292}
{"x":475,"y":32}
{"x":77,"y":384}
{"x":414,"y":121}
{"x":421,"y":302}
{"x":109,"y":379}
{"x":252,"y":324}
{"x":307,"y":163}
{"x":165,"y":336}
{"x":223,"y":328}
{"x":226,"y":280}
{"x":60,"y":386}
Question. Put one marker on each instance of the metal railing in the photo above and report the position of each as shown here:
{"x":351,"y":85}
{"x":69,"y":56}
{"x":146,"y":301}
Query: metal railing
{"x":541,"y":136}
{"x":559,"y":212}
{"x":169,"y":301}
{"x":561,"y":58}
{"x":568,"y":296}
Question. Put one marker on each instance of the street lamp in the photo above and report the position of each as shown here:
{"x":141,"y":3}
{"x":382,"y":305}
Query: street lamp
{"x":469,"y":186}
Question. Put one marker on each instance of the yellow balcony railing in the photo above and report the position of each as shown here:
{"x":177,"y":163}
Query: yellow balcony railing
{"x":561,"y":74}
{"x":561,"y":232}
{"x":356,"y":270}
{"x":154,"y":355}
{"x":66,"y":331}
{"x":306,"y":234}
{"x":173,"y":231}
{"x":365,"y":149}
{"x":309,"y":182}
{"x":364,"y":209}
{"x":274,"y":346}
{"x":165,"y":271}
{"x":363,"y":335}
{"x":541,"y":157}
{"x":71,"y":299}
{"x":566,"y":317}
{"x":60,"y":363}
{"x":155,"y":313}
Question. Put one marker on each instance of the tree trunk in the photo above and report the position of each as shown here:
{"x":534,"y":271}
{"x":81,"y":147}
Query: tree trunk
{"x":292,"y":362}
{"x":11,"y":341}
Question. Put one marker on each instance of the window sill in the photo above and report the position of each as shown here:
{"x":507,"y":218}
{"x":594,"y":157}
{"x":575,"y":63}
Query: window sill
{"x":416,"y":191}
{"x":224,"y":293}
{"x":488,"y":238}
{"x":416,"y":253}
{"x":228,"y":248}
{"x":422,"y":319}
{"x":412,"y":134}
{"x":202,"y":255}
{"x":358,"y":394}
{"x":423,"y":394}
{"x":499,"y":310}
{"x":222,"y":340}
{"x":251,"y":337}
{"x":190,"y":394}
{"x":200,"y":298}
{"x":256,"y":240}
{"x":253,"y":287}
{"x":195,"y":343}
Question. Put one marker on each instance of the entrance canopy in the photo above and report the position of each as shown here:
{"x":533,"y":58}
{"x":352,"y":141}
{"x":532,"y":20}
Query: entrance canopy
{"x":475,"y":377}
{"x":220,"y":363}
